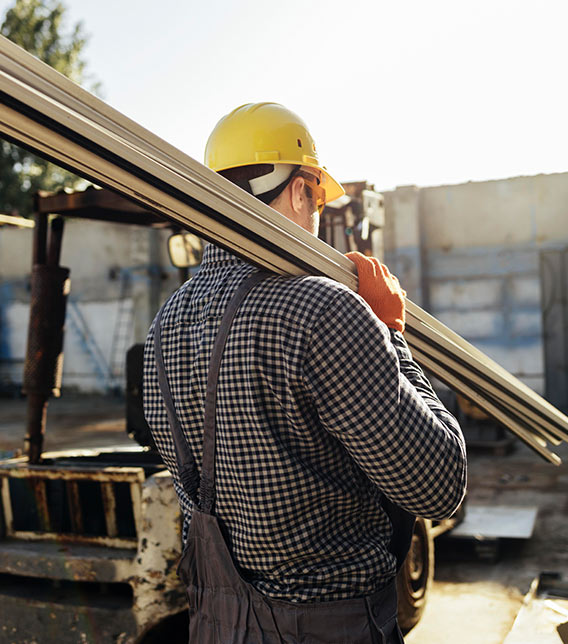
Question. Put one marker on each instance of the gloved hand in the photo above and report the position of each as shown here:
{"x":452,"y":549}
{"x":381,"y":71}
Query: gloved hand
{"x":380,"y":289}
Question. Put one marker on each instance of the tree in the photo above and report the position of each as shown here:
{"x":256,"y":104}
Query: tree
{"x":39,"y":27}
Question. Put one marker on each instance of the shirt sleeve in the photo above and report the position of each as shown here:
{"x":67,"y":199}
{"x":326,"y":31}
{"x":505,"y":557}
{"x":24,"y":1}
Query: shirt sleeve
{"x":371,"y":395}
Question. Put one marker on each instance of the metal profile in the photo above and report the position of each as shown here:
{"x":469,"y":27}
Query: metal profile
{"x":40,"y":492}
{"x":136,"y":497}
{"x":462,"y":385}
{"x":75,"y":507}
{"x":7,"y":505}
{"x":20,"y":222}
{"x":456,"y":345}
{"x":86,"y":540}
{"x":491,"y":386}
{"x":185,"y":192}
{"x":109,"y":505}
{"x":46,"y":112}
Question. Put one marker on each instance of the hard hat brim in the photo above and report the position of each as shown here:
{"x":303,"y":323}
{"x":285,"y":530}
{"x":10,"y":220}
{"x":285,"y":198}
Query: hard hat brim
{"x":333,"y":189}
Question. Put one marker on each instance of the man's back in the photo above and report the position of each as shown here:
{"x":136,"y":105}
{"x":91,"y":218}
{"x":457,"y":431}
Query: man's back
{"x":311,"y":421}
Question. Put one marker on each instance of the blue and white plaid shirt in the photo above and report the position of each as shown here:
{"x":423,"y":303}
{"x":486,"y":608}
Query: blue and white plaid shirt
{"x":320,"y":411}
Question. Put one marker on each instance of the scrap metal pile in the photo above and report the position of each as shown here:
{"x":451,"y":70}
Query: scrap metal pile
{"x":49,"y":114}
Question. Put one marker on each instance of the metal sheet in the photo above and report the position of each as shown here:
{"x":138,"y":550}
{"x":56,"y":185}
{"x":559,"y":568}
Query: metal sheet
{"x":497,"y":521}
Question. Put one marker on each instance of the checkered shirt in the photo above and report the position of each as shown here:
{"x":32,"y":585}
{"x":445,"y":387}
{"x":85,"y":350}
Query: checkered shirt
{"x":320,"y":411}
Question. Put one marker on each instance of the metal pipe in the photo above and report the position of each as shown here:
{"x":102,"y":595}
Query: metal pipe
{"x":37,"y":401}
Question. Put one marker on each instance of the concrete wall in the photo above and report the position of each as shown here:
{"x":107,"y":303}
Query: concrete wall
{"x":119,"y":276}
{"x":470,"y":254}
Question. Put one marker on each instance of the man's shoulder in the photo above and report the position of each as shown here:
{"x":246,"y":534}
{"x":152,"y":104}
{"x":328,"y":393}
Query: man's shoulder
{"x":307,"y":295}
{"x":313,"y":284}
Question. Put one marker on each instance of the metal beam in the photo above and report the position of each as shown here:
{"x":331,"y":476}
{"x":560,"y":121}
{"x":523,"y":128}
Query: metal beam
{"x":44,"y":111}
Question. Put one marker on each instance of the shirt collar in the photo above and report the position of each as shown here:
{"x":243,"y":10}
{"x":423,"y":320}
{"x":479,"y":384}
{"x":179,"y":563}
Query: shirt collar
{"x":213,"y":255}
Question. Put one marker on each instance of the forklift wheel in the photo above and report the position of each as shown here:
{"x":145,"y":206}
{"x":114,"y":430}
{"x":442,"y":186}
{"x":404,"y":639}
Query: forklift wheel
{"x":415,"y":576}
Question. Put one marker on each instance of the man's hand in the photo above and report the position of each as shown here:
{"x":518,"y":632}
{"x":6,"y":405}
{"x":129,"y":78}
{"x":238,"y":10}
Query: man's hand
{"x":380,"y":289}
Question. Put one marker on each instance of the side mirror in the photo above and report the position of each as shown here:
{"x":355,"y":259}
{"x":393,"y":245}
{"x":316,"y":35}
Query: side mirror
{"x":185,"y":250}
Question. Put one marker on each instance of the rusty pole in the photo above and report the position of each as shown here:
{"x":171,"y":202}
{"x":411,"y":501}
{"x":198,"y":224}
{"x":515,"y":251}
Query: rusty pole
{"x":37,"y":403}
{"x":45,"y":333}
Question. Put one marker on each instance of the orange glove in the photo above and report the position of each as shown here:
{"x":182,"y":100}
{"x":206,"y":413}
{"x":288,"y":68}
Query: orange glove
{"x":380,"y":289}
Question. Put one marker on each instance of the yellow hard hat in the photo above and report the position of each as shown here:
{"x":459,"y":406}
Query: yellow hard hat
{"x":265,"y":133}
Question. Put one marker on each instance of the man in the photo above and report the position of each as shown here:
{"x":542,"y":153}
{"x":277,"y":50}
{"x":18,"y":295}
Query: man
{"x":323,"y":421}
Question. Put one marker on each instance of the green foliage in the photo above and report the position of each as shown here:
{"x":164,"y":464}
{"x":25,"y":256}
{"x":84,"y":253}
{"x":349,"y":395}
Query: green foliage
{"x":39,"y":27}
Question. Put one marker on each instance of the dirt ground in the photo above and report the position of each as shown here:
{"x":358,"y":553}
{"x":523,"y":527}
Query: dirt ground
{"x":484,"y":590}
{"x":72,"y":421}
{"x":481,"y":595}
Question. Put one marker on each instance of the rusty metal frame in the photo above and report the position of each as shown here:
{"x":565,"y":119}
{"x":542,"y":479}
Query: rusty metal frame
{"x":107,"y":476}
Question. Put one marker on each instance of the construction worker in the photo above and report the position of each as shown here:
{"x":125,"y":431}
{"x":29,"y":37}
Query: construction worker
{"x":298,"y":462}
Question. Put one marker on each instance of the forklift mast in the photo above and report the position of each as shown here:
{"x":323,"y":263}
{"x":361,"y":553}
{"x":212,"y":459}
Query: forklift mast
{"x":355,"y":222}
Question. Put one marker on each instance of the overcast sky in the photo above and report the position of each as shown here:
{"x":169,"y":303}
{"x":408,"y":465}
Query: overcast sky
{"x":398,"y":92}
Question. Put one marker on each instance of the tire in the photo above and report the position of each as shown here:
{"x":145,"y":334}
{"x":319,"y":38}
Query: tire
{"x":415,"y":576}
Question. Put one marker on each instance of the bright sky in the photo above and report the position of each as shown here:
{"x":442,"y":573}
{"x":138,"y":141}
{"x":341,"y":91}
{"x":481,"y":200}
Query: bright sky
{"x":398,"y":92}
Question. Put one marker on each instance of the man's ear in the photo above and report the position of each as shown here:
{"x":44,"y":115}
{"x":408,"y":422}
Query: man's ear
{"x":297,"y":195}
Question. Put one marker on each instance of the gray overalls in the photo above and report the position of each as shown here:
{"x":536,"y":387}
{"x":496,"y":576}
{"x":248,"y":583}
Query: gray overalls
{"x":223,"y":607}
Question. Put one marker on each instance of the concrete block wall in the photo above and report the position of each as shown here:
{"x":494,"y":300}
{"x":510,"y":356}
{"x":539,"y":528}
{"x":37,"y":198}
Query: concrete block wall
{"x":471,"y":257}
{"x":402,"y":239}
{"x":494,"y":304}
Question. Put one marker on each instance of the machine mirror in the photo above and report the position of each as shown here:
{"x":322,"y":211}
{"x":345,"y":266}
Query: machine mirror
{"x":185,"y":250}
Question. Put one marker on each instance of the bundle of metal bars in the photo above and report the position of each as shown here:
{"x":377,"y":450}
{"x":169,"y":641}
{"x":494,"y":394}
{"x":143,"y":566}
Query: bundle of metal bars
{"x":49,"y":114}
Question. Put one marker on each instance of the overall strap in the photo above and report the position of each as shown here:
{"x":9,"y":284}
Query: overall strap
{"x":207,"y":487}
{"x":187,"y":467}
{"x":402,"y":529}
